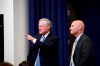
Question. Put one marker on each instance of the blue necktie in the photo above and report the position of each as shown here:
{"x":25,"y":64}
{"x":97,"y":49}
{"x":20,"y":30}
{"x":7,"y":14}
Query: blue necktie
{"x":38,"y":57}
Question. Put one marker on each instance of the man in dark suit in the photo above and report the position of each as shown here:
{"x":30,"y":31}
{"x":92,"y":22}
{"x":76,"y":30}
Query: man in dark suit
{"x":46,"y":50}
{"x":82,"y":51}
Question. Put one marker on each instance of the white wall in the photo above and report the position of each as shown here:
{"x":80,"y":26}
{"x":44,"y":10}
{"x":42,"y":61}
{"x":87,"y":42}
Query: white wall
{"x":15,"y":26}
{"x":6,"y":8}
{"x":20,"y":28}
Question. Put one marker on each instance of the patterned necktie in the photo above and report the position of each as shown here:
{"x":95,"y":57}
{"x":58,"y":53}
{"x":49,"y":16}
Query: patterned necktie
{"x":73,"y":50}
{"x":38,"y":57}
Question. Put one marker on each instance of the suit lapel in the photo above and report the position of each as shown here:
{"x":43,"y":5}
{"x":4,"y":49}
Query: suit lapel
{"x":78,"y":43}
{"x":39,"y":37}
{"x":47,"y":38}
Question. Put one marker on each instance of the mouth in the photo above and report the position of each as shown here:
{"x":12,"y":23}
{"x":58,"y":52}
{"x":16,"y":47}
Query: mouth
{"x":39,"y":30}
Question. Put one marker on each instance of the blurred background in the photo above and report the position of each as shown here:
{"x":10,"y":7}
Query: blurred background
{"x":89,"y":12}
{"x":21,"y":17}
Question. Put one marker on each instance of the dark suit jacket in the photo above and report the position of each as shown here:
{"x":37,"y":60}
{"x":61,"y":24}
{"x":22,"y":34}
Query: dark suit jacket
{"x":83,"y":55}
{"x":48,"y":50}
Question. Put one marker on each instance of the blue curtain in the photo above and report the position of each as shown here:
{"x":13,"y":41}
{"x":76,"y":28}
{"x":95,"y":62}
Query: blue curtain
{"x":89,"y":12}
{"x":56,"y":11}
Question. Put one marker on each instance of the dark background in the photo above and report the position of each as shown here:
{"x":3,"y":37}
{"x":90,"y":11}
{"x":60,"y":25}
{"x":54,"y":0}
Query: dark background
{"x":89,"y":12}
{"x":56,"y":11}
{"x":1,"y":38}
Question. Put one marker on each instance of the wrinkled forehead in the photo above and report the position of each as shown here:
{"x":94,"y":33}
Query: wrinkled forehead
{"x":76,"y":23}
{"x":42,"y":22}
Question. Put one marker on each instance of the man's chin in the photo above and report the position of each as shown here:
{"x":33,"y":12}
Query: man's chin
{"x":40,"y":33}
{"x":71,"y":33}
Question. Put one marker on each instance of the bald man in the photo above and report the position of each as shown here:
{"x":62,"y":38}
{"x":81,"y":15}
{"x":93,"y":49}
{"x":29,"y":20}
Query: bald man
{"x":82,"y":50}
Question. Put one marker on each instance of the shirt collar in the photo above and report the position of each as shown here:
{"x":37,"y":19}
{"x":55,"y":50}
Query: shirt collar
{"x":46,"y":34}
{"x":78,"y":37}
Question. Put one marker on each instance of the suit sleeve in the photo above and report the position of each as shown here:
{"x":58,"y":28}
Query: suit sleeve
{"x":32,"y":54}
{"x":49,"y":43}
{"x":86,"y":52}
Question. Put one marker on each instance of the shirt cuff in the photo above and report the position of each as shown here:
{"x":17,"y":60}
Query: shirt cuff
{"x":34,"y":41}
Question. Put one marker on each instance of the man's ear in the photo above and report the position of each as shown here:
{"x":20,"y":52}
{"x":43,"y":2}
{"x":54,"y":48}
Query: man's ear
{"x":80,"y":27}
{"x":48,"y":27}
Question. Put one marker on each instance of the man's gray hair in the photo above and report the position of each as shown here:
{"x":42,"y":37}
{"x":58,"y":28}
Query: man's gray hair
{"x":48,"y":22}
